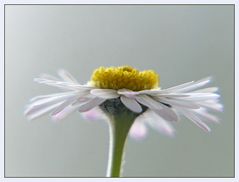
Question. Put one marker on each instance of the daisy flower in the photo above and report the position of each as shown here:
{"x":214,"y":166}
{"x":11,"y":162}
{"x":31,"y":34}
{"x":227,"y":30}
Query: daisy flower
{"x":131,"y":100}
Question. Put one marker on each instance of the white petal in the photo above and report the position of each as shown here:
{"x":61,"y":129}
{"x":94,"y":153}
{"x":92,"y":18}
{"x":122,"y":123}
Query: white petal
{"x":127,"y":93}
{"x":94,"y":114}
{"x":138,"y":130}
{"x":164,"y":111}
{"x":201,"y":96}
{"x":212,"y":105}
{"x":158,"y":123}
{"x":90,"y":104}
{"x":189,"y":86}
{"x":48,"y":77}
{"x":173,"y":95}
{"x":51,"y":95}
{"x":34,"y":108}
{"x":195,"y":85}
{"x":167,"y":114}
{"x":33,"y":114}
{"x":211,"y":101}
{"x":195,"y":97}
{"x":196,"y":120}
{"x":66,"y":76}
{"x":172,"y":89}
{"x":133,"y":94}
{"x":206,"y":116}
{"x":82,"y":100}
{"x":62,"y":84}
{"x":131,"y":104}
{"x":63,"y":113}
{"x":45,"y":102}
{"x":149,"y":102}
{"x":207,"y":90}
{"x":63,"y":106}
{"x":105,"y":93}
{"x":150,"y":92}
{"x":180,"y":103}
{"x":52,"y":99}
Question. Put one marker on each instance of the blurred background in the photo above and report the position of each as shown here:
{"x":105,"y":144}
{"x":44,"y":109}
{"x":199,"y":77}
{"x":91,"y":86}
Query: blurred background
{"x":180,"y":42}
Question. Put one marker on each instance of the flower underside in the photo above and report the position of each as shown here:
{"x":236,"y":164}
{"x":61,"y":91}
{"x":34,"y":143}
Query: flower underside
{"x":124,"y":77}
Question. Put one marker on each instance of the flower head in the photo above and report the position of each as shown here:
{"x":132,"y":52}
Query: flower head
{"x":126,"y":90}
{"x":124,"y":77}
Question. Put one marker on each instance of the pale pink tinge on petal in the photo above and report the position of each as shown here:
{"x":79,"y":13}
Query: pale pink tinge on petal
{"x":159,"y":124}
{"x":93,"y":114}
{"x":138,"y":131}
{"x":63,"y":114}
{"x":162,"y":127}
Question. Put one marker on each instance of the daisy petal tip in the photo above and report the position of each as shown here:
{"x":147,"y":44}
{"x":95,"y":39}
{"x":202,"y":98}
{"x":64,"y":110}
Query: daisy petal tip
{"x":60,"y":116}
{"x":25,"y":112}
{"x":217,"y":90}
{"x":55,"y":119}
{"x":209,"y":79}
{"x":27,"y":117}
{"x":138,"y":131}
{"x":131,"y":104}
{"x":93,"y":115}
{"x":222,"y":108}
{"x":138,"y":137}
{"x":89,"y":117}
{"x":170,"y":132}
{"x":30,"y":118}
{"x":206,"y":129}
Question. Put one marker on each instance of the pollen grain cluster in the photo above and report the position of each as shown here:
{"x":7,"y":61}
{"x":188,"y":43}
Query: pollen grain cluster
{"x":124,"y":77}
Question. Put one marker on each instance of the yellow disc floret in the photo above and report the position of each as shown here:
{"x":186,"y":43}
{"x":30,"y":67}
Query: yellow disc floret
{"x":124,"y":77}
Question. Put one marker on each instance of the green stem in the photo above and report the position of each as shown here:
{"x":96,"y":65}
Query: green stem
{"x":119,"y":128}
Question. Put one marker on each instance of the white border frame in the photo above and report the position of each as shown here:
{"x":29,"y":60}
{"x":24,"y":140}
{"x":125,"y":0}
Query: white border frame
{"x":2,"y":3}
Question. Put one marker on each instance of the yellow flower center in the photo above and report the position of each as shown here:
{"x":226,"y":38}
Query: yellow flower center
{"x":124,"y":77}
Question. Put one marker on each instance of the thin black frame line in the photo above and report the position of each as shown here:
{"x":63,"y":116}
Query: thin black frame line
{"x":234,"y":17}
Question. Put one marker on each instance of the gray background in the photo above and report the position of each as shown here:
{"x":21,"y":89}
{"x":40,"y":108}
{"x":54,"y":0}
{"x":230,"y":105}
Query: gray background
{"x":180,"y":42}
